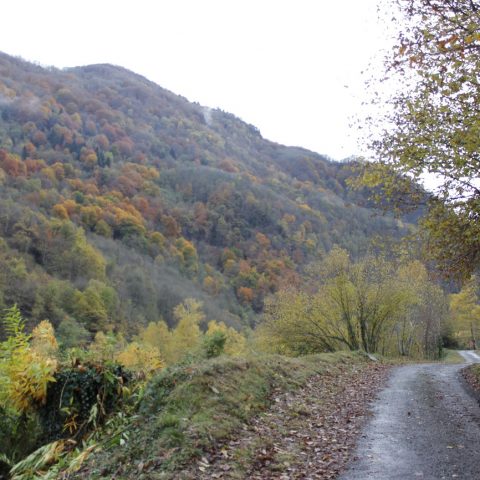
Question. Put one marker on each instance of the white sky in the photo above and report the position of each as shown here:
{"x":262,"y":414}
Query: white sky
{"x":290,"y":67}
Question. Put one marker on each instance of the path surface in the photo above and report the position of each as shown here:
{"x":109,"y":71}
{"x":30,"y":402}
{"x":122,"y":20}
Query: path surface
{"x":424,"y":426}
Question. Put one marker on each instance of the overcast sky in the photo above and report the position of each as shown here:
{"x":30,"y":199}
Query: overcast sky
{"x":290,"y":67}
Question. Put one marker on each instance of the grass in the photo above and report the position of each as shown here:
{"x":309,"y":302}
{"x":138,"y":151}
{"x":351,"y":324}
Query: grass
{"x":189,"y":409}
{"x":452,"y":356}
{"x":449,"y":357}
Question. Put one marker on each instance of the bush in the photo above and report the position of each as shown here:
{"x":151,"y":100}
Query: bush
{"x":80,"y":398}
{"x":214,"y":344}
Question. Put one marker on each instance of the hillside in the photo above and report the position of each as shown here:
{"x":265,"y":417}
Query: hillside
{"x":120,"y":199}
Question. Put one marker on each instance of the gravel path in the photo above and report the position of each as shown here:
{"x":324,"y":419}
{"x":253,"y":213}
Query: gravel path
{"x":425,"y":425}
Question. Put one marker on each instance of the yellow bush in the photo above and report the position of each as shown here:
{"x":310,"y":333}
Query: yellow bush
{"x":44,"y":342}
{"x":25,"y":368}
{"x":236,"y":343}
{"x":141,"y":358}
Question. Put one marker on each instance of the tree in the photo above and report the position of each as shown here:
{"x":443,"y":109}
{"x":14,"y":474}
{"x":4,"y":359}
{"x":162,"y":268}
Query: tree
{"x":71,"y":334}
{"x":140,"y":357}
{"x":364,"y":297}
{"x":105,"y":347}
{"x":292,"y":325}
{"x":465,"y":314}
{"x":64,"y":249}
{"x":435,"y":124}
{"x":235,"y":343}
{"x":186,"y":336}
{"x":418,"y":323}
{"x":43,"y":341}
{"x":369,"y":304}
{"x":157,"y":335}
{"x":90,"y":309}
{"x":213,"y":344}
{"x":351,"y":308}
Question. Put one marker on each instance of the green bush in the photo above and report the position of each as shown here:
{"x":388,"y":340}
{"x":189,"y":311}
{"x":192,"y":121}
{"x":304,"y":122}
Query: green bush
{"x":214,"y":344}
{"x":19,"y":434}
{"x":80,"y":398}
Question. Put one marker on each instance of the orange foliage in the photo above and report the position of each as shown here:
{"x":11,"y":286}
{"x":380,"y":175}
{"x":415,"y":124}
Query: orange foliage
{"x":101,"y":141}
{"x":245,"y":294}
{"x":262,"y":240}
{"x":88,"y":157}
{"x":70,"y":206}
{"x":147,"y":173}
{"x":200,"y":213}
{"x":34,"y":166}
{"x":244,"y":267}
{"x":128,"y":185}
{"x":143,"y":206}
{"x":227,"y":165}
{"x":124,"y":146}
{"x":172,"y":229}
{"x":12,"y":164}
{"x":90,"y":188}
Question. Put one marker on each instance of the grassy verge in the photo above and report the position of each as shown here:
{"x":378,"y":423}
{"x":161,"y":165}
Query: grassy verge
{"x":452,"y":356}
{"x":190,"y":409}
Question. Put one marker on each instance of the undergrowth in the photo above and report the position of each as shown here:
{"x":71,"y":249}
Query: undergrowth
{"x":192,"y":408}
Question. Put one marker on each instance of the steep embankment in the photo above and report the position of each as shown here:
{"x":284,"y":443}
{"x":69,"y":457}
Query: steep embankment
{"x":263,"y":418}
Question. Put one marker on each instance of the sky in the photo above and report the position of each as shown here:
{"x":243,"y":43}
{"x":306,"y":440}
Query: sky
{"x":292,"y":68}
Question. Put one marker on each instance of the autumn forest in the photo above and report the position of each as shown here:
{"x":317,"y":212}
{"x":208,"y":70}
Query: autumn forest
{"x":149,"y":244}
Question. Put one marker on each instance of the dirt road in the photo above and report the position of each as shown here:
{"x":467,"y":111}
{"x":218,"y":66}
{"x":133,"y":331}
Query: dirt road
{"x":425,"y":425}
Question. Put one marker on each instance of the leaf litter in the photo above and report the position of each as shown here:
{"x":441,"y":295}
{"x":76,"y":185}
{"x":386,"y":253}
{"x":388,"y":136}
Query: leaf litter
{"x":306,"y":434}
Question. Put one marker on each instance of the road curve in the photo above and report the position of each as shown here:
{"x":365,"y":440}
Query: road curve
{"x":425,"y":425}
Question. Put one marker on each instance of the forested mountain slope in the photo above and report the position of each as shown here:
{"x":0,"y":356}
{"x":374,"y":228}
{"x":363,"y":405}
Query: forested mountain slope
{"x":119,"y":199}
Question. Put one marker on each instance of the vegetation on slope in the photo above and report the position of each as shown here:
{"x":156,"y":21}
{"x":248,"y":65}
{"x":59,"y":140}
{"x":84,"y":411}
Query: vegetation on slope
{"x":136,"y":229}
{"x":193,"y":409}
{"x":50,"y":393}
{"x":125,"y":197}
{"x":59,"y":400}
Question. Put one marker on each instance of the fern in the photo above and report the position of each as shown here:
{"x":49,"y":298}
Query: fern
{"x":24,"y":372}
{"x":12,"y":321}
{"x":14,"y":327}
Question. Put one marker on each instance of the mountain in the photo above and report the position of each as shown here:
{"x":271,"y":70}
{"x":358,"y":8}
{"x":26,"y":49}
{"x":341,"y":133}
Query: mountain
{"x":119,"y":199}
